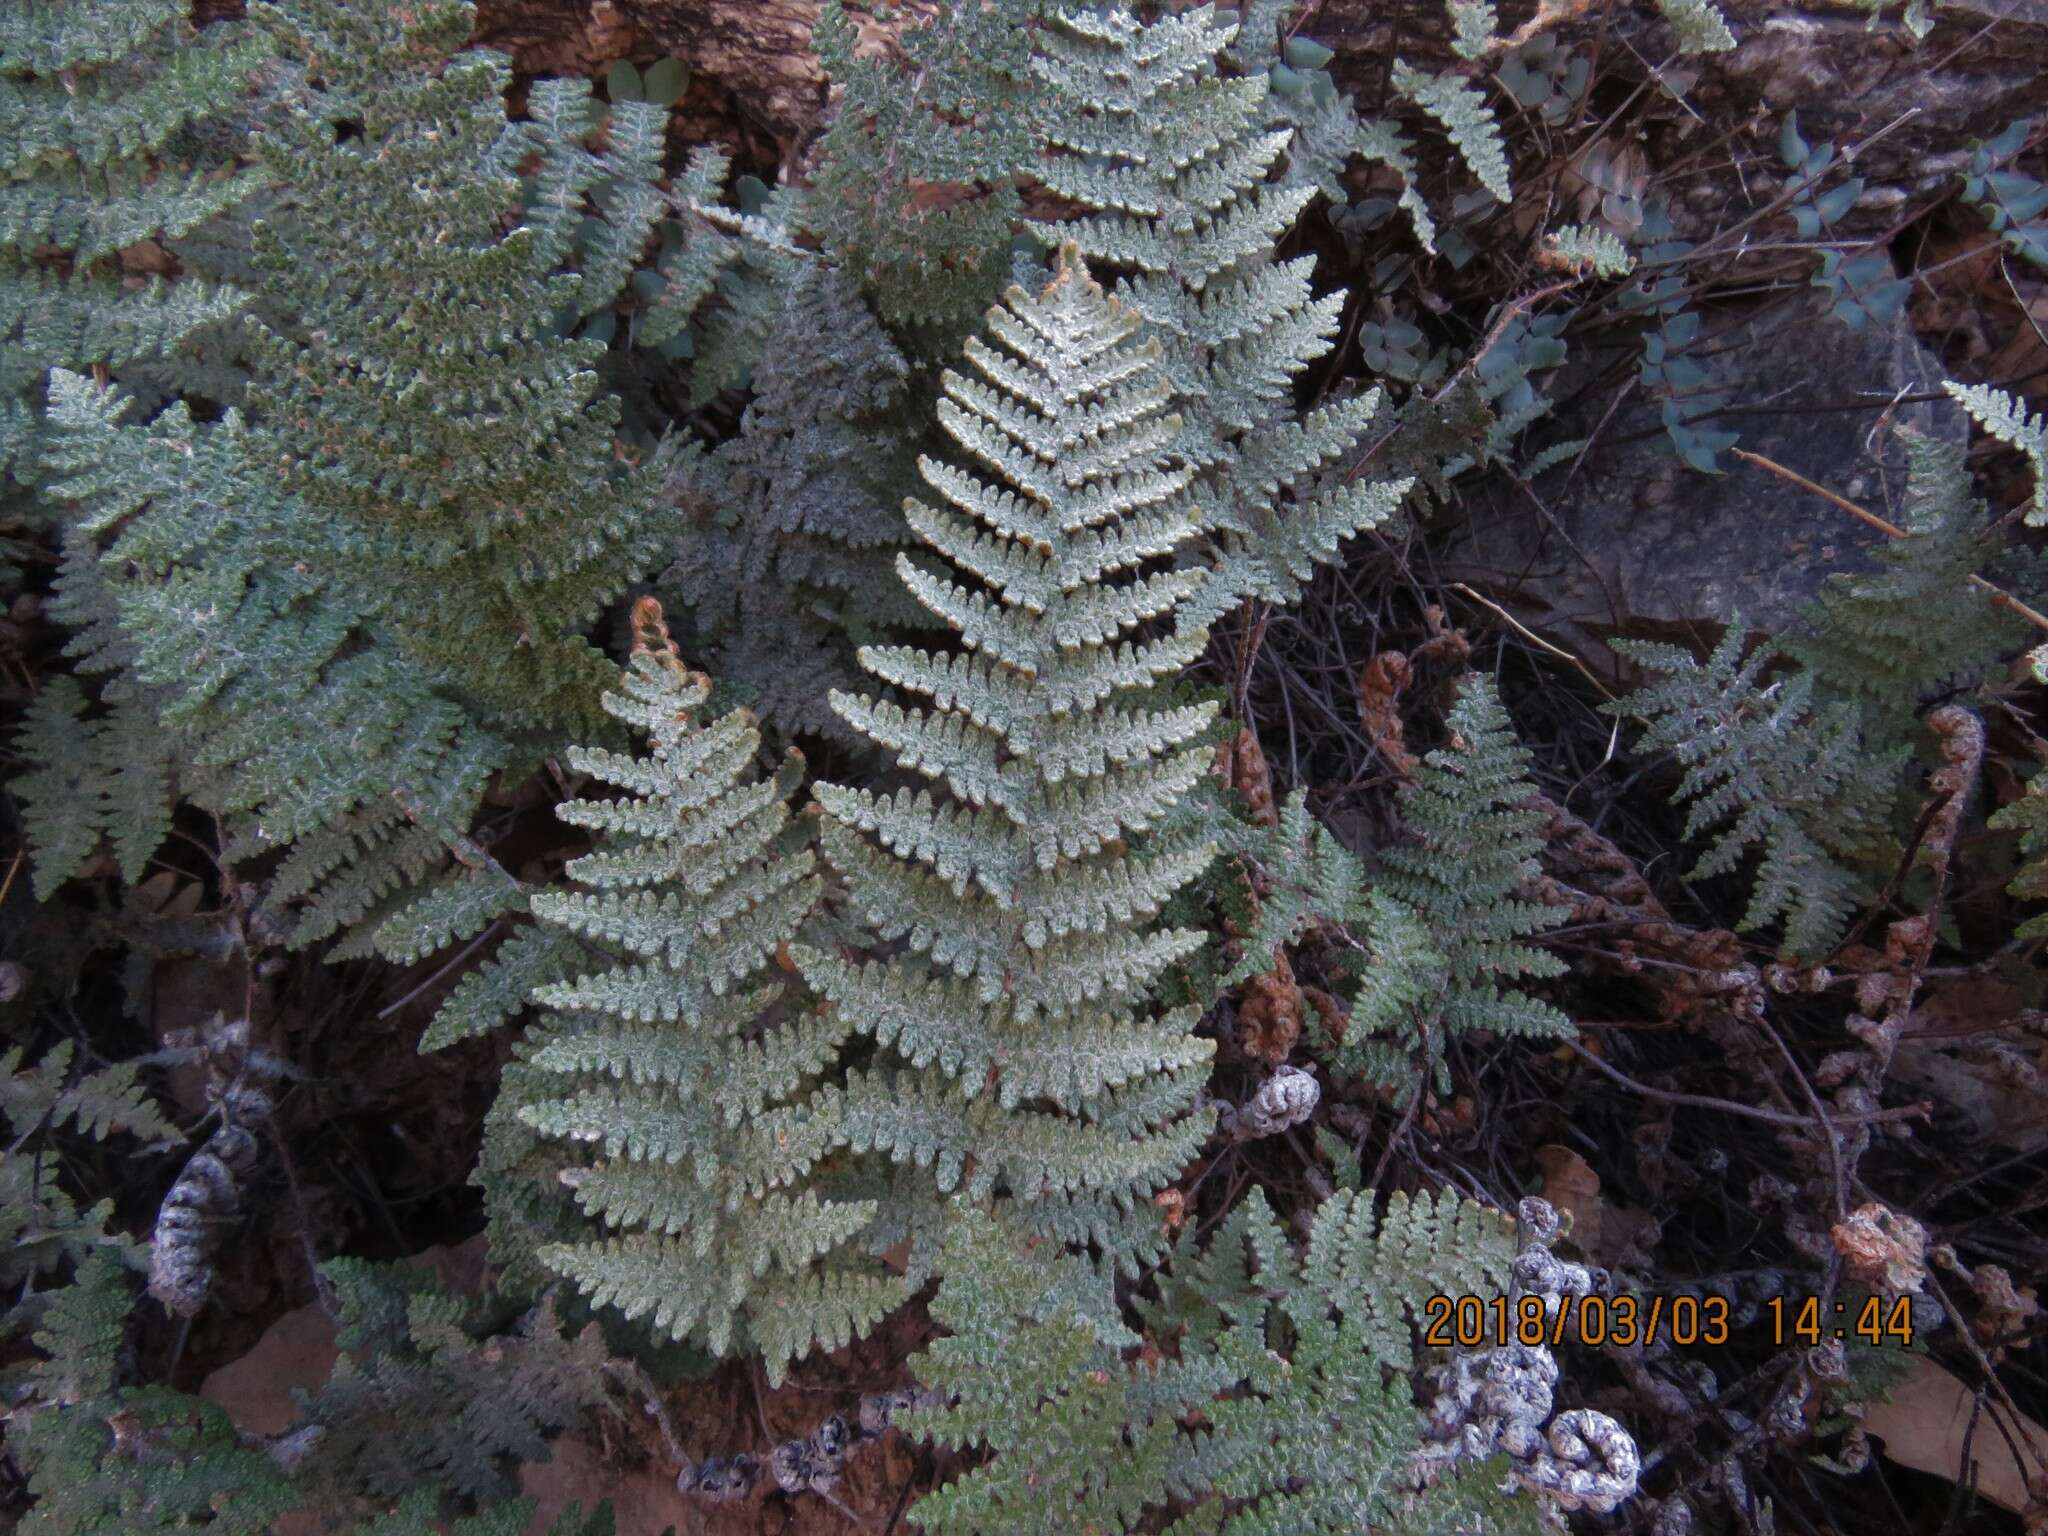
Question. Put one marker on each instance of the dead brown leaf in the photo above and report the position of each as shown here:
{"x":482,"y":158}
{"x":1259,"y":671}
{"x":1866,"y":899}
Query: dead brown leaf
{"x":1926,"y":1421}
{"x":1242,"y":765}
{"x":1379,"y":693}
{"x":1885,"y":1251}
{"x":1570,"y":1184}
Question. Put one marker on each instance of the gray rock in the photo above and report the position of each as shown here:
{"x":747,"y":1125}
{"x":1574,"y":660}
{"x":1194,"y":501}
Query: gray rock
{"x":1634,"y":544}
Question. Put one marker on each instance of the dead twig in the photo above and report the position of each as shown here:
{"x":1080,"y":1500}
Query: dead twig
{"x":1998,"y":594}
{"x":1919,"y":1111}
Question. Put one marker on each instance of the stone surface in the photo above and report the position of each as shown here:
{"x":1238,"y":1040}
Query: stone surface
{"x":1632,"y":543}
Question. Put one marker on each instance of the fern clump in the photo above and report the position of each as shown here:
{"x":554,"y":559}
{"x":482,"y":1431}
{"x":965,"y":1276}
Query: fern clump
{"x":1777,"y":768}
{"x":429,"y":1395}
{"x":1446,"y":929}
{"x":674,"y":1060}
{"x":1173,"y":160}
{"x":1272,"y":1393}
{"x":103,"y":1458}
{"x":1020,"y":1053}
{"x":1809,"y":768}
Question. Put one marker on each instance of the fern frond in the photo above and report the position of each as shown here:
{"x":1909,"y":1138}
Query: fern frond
{"x":676,"y":1063}
{"x":1774,"y":770}
{"x":1866,"y":636}
{"x":1461,"y":109}
{"x":2007,"y":420}
{"x":1450,"y":930}
{"x":2028,"y":816}
{"x":1174,"y":162}
{"x":1698,"y":24}
{"x":1019,"y":880}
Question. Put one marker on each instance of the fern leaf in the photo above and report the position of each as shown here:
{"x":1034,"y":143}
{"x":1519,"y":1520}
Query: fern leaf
{"x":697,"y":1096}
{"x":1049,"y":978}
{"x":1462,"y":111}
{"x":2007,"y":420}
{"x":1698,"y":25}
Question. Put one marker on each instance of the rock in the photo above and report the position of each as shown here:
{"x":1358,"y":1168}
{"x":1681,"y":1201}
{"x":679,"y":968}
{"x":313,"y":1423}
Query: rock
{"x":1637,"y":545}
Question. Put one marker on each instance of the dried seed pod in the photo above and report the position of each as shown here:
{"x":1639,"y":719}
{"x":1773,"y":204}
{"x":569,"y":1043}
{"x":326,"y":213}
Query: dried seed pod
{"x":1589,"y":1462}
{"x":205,"y":1198}
{"x":1284,"y":1100}
{"x":720,"y":1478}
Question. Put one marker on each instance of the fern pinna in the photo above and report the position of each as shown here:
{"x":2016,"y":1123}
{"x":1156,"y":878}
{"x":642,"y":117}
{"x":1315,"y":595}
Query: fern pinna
{"x":674,"y":1059}
{"x":1173,"y":161}
{"x":1021,"y":1053}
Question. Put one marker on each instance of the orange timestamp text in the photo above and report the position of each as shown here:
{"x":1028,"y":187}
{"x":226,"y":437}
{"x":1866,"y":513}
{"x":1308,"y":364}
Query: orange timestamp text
{"x":1473,"y":1322}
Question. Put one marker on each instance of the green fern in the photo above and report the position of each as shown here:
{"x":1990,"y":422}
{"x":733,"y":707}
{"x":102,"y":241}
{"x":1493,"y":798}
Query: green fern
{"x":341,"y":603}
{"x":297,"y":713}
{"x":1698,"y":24}
{"x":1473,"y":24}
{"x":91,"y":781}
{"x":2007,"y":420}
{"x":1326,"y":131}
{"x":916,"y":191}
{"x":428,"y":1394}
{"x":2028,"y":816}
{"x":1588,"y":249}
{"x":797,"y":520}
{"x":1461,"y":109}
{"x":109,"y":1460}
{"x":41,"y":1225}
{"x":102,"y":105}
{"x":1019,"y":1050}
{"x":711,"y":1138}
{"x":1776,"y":768}
{"x":718,"y":285}
{"x":1448,"y":930}
{"x":1310,"y":880}
{"x":419,"y":1514}
{"x":419,"y":354}
{"x":1172,"y":159}
{"x":1867,"y":635}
